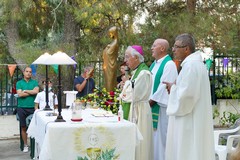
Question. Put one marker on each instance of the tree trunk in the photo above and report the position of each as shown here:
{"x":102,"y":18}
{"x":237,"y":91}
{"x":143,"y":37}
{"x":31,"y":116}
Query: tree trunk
{"x":191,"y":5}
{"x":70,"y":38}
{"x":11,"y":31}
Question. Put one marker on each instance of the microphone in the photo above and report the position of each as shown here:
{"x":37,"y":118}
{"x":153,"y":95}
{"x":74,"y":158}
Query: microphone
{"x":133,"y":81}
{"x":127,"y":72}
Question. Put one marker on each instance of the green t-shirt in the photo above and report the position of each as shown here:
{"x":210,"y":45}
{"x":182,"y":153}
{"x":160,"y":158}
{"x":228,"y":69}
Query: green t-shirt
{"x":26,"y":102}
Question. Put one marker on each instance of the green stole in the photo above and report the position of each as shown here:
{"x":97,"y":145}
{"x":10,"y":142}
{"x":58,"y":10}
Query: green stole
{"x":126,"y":105}
{"x":156,"y":107}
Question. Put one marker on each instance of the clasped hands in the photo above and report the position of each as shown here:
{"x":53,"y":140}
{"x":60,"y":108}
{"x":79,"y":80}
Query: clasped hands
{"x":168,"y":86}
{"x":151,"y":102}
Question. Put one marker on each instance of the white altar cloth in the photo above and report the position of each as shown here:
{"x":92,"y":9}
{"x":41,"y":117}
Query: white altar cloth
{"x":92,"y":138}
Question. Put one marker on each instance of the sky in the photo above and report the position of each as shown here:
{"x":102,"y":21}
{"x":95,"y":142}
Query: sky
{"x":141,"y":20}
{"x":160,"y":1}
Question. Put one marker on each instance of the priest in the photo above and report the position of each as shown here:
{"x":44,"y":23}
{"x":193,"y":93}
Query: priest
{"x":190,"y":126}
{"x":137,"y":92}
{"x":163,"y":69}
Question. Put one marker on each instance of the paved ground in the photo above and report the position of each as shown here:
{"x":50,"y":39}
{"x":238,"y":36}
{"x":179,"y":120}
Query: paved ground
{"x":10,"y":150}
{"x":9,"y":127}
{"x":9,"y":139}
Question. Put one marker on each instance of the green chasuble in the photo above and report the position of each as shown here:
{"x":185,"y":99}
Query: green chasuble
{"x":126,"y":105}
{"x":156,"y":107}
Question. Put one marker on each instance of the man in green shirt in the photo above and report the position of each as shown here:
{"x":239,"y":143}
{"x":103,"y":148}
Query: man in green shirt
{"x":27,"y":88}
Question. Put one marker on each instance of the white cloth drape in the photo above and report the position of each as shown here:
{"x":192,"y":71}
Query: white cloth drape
{"x":73,"y":140}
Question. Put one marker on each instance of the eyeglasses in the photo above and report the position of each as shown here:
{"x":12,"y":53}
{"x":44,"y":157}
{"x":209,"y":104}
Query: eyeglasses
{"x":176,"y":46}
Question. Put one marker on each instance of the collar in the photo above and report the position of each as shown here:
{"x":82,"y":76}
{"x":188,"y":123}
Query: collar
{"x":161,"y":59}
{"x":137,"y":66}
{"x":28,"y":80}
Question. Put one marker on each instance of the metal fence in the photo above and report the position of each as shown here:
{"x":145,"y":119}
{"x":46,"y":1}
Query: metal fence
{"x":98,"y":72}
{"x":8,"y":100}
{"x":218,"y":73}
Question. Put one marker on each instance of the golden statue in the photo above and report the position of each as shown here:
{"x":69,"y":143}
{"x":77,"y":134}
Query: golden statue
{"x":110,"y":54}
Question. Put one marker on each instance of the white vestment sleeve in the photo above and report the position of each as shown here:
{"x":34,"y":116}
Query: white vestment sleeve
{"x":169,"y":75}
{"x":126,"y":94}
{"x":139,"y":83}
{"x":184,"y":93}
{"x":142,"y":82}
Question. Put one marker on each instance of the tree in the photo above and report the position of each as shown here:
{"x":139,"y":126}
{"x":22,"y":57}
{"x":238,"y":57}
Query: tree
{"x":211,"y":23}
{"x":79,"y":27}
{"x":11,"y":29}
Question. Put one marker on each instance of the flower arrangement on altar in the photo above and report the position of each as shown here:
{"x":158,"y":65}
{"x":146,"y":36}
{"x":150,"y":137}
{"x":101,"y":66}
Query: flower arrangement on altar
{"x":102,"y":98}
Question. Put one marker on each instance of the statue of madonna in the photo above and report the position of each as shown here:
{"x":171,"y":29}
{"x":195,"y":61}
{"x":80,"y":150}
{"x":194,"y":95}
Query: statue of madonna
{"x":110,"y":54}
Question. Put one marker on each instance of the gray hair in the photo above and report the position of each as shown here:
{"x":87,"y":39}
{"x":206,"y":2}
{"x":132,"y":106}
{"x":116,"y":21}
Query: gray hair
{"x":87,"y":68}
{"x":186,"y":40}
{"x":135,"y":53}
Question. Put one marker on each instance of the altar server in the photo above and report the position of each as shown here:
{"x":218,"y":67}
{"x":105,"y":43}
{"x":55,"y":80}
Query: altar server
{"x":40,"y":100}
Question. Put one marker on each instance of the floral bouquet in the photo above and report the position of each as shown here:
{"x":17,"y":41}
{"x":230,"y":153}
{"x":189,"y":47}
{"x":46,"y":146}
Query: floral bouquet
{"x":101,"y":97}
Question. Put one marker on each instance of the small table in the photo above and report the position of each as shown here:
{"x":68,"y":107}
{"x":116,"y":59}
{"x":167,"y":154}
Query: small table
{"x":70,"y":97}
{"x":97,"y":135}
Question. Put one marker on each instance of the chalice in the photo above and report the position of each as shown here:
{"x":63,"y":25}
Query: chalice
{"x":93,"y":153}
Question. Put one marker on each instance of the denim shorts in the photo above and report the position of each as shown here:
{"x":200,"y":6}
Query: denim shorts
{"x":23,"y":113}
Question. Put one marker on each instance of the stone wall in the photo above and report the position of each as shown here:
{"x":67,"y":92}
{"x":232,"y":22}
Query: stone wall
{"x":228,"y":105}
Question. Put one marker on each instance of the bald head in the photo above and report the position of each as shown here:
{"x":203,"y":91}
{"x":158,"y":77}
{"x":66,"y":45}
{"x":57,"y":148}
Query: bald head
{"x":163,"y":42}
{"x":159,"y":48}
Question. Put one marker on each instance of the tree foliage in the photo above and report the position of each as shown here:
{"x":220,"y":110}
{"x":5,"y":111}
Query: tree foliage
{"x":28,"y":28}
{"x":214,"y":23}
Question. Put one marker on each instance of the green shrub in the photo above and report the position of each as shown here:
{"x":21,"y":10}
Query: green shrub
{"x":231,"y":89}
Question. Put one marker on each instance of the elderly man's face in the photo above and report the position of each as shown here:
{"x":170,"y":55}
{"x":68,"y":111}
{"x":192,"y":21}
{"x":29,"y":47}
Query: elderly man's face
{"x":156,"y":49}
{"x":131,"y":61}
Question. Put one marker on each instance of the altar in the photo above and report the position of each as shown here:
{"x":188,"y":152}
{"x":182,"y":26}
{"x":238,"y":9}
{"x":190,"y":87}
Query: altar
{"x":98,"y":136}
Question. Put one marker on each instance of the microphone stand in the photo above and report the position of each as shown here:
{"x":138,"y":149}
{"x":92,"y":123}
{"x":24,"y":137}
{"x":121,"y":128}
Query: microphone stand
{"x":127,"y":72}
{"x":134,"y":119}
